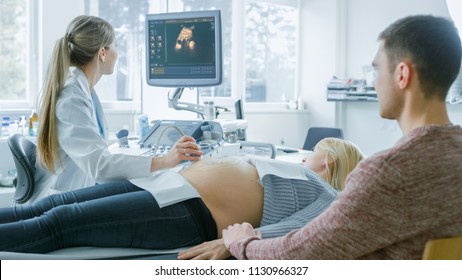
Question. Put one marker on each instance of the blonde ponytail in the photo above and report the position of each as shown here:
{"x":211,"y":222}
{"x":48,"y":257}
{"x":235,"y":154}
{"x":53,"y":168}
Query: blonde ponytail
{"x":57,"y":73}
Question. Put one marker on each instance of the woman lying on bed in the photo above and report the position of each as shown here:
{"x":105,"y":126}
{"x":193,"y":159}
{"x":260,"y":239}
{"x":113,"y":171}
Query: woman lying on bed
{"x":273,"y":195}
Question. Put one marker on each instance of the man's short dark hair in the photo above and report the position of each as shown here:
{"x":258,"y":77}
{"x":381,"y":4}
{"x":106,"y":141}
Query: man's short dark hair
{"x":433,"y":46}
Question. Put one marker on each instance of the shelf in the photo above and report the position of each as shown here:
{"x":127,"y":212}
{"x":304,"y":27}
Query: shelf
{"x":347,"y":95}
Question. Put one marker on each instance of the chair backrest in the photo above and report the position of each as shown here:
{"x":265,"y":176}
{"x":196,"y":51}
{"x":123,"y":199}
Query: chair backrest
{"x":24,"y":154}
{"x":316,"y":134}
{"x":443,"y":249}
{"x":239,"y":109}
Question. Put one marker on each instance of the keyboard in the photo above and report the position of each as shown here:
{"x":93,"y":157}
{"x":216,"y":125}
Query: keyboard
{"x":134,"y":150}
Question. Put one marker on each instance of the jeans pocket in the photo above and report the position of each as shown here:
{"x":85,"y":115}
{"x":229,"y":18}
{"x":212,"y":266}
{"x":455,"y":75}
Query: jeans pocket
{"x":175,"y":228}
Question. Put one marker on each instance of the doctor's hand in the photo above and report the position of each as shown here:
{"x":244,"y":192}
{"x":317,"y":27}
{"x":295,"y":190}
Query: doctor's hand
{"x":211,"y":250}
{"x":238,"y":232}
{"x":184,"y":149}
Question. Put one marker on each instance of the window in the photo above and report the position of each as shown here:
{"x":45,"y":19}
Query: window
{"x":260,"y":40}
{"x":127,"y":18}
{"x":269,"y":60}
{"x":270,"y":51}
{"x":15,"y":62}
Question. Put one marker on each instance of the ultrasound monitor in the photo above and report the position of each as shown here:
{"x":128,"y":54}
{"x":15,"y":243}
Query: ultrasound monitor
{"x":184,"y":49}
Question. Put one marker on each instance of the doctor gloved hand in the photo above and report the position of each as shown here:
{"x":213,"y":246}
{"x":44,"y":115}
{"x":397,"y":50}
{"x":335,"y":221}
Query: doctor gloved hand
{"x":184,"y":149}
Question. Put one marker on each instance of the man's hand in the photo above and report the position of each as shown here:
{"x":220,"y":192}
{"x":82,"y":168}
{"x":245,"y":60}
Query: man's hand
{"x":238,"y":232}
{"x":211,"y":250}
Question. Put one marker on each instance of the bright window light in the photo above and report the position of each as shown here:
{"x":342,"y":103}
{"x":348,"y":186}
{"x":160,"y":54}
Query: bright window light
{"x":455,"y":10}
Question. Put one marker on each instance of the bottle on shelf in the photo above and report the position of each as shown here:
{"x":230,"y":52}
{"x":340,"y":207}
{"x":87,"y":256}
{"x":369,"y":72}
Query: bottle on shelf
{"x":5,"y":126}
{"x":22,"y":128}
{"x":33,"y":124}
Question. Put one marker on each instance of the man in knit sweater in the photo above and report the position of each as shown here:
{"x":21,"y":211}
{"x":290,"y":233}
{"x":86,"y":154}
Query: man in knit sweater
{"x":398,"y":199}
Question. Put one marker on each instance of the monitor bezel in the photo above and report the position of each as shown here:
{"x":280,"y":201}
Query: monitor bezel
{"x":192,"y":82}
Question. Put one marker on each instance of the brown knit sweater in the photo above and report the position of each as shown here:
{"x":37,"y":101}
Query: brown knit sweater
{"x":394,"y":202}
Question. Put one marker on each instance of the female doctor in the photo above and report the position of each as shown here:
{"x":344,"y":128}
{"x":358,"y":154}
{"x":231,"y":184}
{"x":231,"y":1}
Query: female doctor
{"x":72,"y":149}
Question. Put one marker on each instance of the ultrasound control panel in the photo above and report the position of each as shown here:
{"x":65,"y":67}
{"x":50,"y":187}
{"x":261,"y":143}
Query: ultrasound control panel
{"x":164,"y":133}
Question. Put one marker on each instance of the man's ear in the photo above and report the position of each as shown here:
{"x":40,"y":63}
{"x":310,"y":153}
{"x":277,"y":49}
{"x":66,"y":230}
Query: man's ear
{"x":403,"y":75}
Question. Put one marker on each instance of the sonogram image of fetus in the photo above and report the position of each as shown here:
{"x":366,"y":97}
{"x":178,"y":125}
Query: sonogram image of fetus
{"x":185,"y":40}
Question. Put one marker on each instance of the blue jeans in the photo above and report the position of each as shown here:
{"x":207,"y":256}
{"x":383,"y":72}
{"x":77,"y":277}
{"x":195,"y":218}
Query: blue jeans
{"x":116,"y":214}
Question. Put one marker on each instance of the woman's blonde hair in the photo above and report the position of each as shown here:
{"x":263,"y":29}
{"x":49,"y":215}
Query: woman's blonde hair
{"x":342,"y":156}
{"x":84,"y":37}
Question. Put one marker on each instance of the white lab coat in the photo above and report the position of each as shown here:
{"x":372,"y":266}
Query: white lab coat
{"x":83,"y":152}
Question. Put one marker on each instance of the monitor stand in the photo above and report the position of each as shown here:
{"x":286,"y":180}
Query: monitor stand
{"x":206,"y":112}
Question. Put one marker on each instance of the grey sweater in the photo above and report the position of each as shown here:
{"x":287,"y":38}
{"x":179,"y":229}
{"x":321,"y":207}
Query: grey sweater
{"x":291,"y":203}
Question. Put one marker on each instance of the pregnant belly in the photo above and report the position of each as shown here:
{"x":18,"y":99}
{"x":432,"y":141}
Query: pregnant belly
{"x":230,"y":189}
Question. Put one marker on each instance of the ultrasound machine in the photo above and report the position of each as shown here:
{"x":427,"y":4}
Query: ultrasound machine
{"x":183,"y":50}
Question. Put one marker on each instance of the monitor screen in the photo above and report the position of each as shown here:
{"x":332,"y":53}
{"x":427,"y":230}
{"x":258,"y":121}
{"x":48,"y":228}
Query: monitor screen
{"x":184,"y":49}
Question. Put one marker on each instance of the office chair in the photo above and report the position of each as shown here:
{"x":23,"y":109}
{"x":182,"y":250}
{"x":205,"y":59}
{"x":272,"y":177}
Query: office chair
{"x":239,"y":109}
{"x":443,"y":249}
{"x":23,"y":150}
{"x":316,"y":134}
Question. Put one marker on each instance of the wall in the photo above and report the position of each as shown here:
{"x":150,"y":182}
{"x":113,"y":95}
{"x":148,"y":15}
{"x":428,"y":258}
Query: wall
{"x":318,"y":56}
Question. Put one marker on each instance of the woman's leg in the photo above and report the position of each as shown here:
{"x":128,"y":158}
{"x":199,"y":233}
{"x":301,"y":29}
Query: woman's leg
{"x":126,"y":220}
{"x":23,"y":212}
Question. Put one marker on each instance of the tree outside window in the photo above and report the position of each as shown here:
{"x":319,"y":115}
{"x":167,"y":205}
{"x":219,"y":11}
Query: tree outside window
{"x":127,"y":18}
{"x":13,"y":50}
{"x":270,"y":52}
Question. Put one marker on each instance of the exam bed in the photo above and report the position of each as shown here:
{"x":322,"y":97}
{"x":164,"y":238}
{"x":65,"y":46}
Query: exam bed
{"x":95,"y":253}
